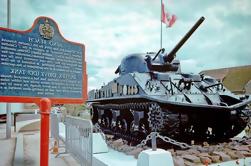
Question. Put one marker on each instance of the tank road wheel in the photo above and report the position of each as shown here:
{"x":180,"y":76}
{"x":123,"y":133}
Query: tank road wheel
{"x":122,"y":125}
{"x":193,"y":128}
{"x":121,"y":128}
{"x":200,"y":132}
{"x":139,"y":127}
{"x":106,"y":122}
{"x":230,"y":129}
{"x":106,"y":119}
{"x":211,"y":128}
{"x":138,"y":120}
{"x":94,"y":115}
{"x":144,"y":126}
{"x":138,"y":132}
{"x":237,"y":126}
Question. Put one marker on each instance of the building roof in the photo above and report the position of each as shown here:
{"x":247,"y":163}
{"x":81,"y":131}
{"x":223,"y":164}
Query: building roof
{"x":234,"y":78}
{"x":219,"y":74}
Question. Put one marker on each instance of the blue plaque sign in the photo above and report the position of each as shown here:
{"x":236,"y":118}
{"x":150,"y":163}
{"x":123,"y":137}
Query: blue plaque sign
{"x":40,"y":63}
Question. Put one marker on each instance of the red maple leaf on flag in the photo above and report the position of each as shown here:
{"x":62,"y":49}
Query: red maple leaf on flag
{"x":172,"y":20}
{"x":166,"y":18}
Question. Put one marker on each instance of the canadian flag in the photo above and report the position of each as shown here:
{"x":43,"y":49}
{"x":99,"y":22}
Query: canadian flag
{"x":167,"y":19}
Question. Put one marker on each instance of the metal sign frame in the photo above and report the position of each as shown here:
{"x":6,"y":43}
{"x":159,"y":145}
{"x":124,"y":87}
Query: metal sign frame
{"x":46,"y":102}
{"x":29,"y":99}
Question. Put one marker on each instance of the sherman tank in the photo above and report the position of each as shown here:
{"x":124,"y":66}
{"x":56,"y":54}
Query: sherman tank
{"x":151,"y":93}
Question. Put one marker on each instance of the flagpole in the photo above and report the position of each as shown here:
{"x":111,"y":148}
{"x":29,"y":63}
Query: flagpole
{"x":8,"y":105}
{"x":8,"y":13}
{"x":161,"y":24}
{"x":166,"y":30}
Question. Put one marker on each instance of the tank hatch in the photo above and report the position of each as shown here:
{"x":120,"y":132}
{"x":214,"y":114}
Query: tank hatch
{"x":132,"y":63}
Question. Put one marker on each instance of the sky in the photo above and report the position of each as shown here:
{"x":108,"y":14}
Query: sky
{"x":113,"y":29}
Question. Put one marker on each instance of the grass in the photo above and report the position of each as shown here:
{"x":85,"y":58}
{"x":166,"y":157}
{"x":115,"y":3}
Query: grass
{"x":237,"y":78}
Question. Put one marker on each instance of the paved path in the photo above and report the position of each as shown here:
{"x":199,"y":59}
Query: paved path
{"x":7,"y":151}
{"x":31,"y":148}
{"x":7,"y":147}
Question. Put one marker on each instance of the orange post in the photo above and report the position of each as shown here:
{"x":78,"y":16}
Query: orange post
{"x":55,"y":147}
{"x":45,"y":108}
{"x":206,"y":162}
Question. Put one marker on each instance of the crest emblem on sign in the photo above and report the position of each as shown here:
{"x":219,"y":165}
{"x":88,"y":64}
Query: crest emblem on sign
{"x":45,"y":30}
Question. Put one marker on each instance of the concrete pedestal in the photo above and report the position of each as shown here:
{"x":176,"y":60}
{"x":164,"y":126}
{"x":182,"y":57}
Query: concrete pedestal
{"x":99,"y":144}
{"x":159,"y":157}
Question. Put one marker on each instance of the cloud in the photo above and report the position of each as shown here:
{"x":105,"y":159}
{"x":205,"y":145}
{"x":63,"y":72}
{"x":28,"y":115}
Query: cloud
{"x":242,"y":7}
{"x":103,"y":76}
{"x":3,"y":13}
{"x":190,"y":66}
{"x":112,"y":29}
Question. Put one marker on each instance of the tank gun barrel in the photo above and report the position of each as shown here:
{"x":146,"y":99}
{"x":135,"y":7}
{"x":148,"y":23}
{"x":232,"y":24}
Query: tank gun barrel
{"x":169,"y":57}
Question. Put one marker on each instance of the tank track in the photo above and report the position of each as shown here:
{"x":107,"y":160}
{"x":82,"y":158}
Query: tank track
{"x":123,"y":125}
{"x":133,"y":122}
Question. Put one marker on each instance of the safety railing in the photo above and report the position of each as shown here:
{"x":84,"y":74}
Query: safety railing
{"x":79,"y":139}
{"x":54,"y":123}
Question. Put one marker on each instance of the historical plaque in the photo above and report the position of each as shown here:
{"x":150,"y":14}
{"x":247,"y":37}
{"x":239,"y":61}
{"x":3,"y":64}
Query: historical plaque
{"x":40,"y":63}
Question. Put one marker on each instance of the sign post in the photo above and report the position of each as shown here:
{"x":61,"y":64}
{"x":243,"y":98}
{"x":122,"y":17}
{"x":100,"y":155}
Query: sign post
{"x":45,"y":108}
{"x":40,"y":66}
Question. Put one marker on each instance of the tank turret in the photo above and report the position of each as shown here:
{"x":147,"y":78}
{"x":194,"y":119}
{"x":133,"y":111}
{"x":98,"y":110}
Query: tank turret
{"x":135,"y":63}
